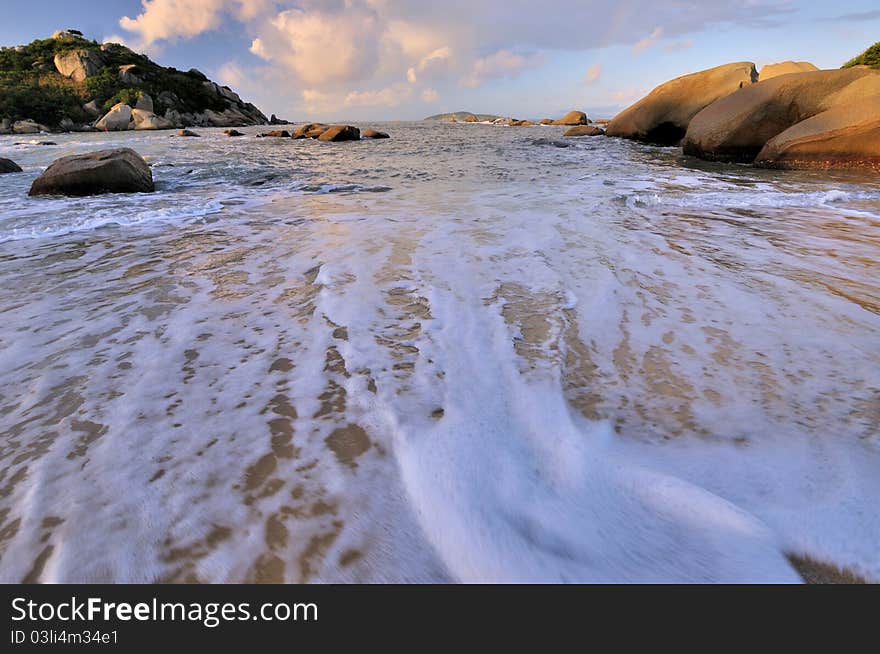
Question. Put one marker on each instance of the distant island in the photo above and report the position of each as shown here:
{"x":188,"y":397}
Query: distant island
{"x":462,"y":116}
{"x":70,"y":83}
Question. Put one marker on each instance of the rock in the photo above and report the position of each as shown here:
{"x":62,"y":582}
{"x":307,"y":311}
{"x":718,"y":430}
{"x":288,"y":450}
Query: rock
{"x":664,"y":114}
{"x":128,"y":74}
{"x":573,"y":118}
{"x":521,"y":123}
{"x":186,"y":132}
{"x":147,"y":120}
{"x":470,"y":118}
{"x":276,"y":133}
{"x":309,"y":130}
{"x":373,"y":134}
{"x":340,"y":133}
{"x":144,"y":103}
{"x":5,"y":126}
{"x":601,"y":121}
{"x":91,"y":108}
{"x":169,"y":100}
{"x":737,"y":127}
{"x":195,"y":72}
{"x":8,"y":166}
{"x":113,"y":48}
{"x":106,"y":171}
{"x":36,"y":143}
{"x":274,"y":120}
{"x":584,"y":130}
{"x":67,"y":35}
{"x":546,"y":121}
{"x":784,"y":68}
{"x":78,"y":65}
{"x":118,"y":119}
{"x":846,"y":136}
{"x":28,"y":127}
{"x":232,"y":132}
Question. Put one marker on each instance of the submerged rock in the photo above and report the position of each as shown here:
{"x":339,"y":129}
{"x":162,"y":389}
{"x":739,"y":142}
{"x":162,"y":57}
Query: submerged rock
{"x":573,"y":118}
{"x":186,"y":132}
{"x":664,"y":114}
{"x":106,"y":171}
{"x":847,"y":136}
{"x":340,"y":133}
{"x":8,"y":166}
{"x":585,"y":130}
{"x":737,"y":127}
{"x":373,"y":134}
{"x":276,"y":133}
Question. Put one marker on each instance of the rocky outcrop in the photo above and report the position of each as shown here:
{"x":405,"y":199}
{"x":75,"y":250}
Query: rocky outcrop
{"x":78,"y":65}
{"x":846,"y":136}
{"x":275,"y":133}
{"x":8,"y":166}
{"x":584,"y":130}
{"x":784,"y":68}
{"x":546,"y":121}
{"x":664,"y":114}
{"x":340,"y":133}
{"x":310,"y":131}
{"x":232,"y":132}
{"x":106,"y":171}
{"x":144,"y":103}
{"x":573,"y":118}
{"x":470,"y":118}
{"x":521,"y":123}
{"x":737,"y":127}
{"x":118,"y":119}
{"x":373,"y":134}
{"x":128,"y":74}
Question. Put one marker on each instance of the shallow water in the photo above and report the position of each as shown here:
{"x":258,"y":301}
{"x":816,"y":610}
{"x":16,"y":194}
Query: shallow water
{"x":462,"y":354}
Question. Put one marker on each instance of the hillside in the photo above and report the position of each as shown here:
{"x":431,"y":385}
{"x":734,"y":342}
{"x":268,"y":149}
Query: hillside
{"x":460,"y":116}
{"x":68,"y":82}
{"x":870,"y":57}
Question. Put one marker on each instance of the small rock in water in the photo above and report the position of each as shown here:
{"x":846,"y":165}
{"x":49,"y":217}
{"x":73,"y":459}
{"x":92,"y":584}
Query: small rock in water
{"x":373,"y":134}
{"x":341,"y":133}
{"x":186,"y":132}
{"x":8,"y":166}
{"x":105,"y":171}
{"x":585,"y":130}
{"x":232,"y":132}
{"x":277,"y":133}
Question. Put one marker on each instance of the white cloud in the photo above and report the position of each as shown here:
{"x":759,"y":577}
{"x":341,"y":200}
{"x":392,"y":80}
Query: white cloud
{"x":503,"y":63}
{"x":430,"y":95}
{"x":594,"y":72}
{"x":649,"y":41}
{"x":391,"y":96}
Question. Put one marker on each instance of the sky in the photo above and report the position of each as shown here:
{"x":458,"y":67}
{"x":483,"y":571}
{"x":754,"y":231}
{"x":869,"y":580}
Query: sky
{"x":404,"y":60}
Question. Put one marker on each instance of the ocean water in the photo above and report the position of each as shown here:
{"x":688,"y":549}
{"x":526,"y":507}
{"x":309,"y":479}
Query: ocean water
{"x":466,"y":353}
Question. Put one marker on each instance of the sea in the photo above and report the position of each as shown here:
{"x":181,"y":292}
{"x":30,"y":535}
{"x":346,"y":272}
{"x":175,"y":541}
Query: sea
{"x":467,"y":353}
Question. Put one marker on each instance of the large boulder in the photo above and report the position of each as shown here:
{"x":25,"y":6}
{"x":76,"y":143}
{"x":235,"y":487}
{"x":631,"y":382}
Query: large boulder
{"x":8,"y":166}
{"x":585,"y":130}
{"x":78,"y":64}
{"x":28,"y":127}
{"x":737,"y":127}
{"x":147,"y":120}
{"x":118,"y":119}
{"x":106,"y":171}
{"x":470,"y":118}
{"x":5,"y":126}
{"x":664,"y":114}
{"x":573,"y":118}
{"x":341,"y":133}
{"x":846,"y":136}
{"x":128,"y":74}
{"x":144,"y":103}
{"x":784,"y":68}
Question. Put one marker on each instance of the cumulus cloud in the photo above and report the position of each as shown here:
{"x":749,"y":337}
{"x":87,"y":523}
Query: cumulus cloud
{"x":391,"y":96}
{"x":503,"y":63}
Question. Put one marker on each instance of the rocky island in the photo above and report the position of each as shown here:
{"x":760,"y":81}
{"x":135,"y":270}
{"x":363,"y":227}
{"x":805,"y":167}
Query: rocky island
{"x":70,"y":83}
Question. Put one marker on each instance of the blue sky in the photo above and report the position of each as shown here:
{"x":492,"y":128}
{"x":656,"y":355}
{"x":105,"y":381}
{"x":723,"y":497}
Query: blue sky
{"x":398,"y":59}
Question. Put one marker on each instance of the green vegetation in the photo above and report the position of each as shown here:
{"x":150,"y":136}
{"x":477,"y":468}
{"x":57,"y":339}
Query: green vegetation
{"x":870,"y":57}
{"x":31,"y":87}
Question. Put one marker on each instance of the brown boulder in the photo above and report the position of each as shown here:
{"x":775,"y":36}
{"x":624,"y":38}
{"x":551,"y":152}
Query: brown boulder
{"x":373,"y":134}
{"x":546,"y":121}
{"x":275,"y":133}
{"x":78,"y":64}
{"x":573,"y":118}
{"x":664,"y":114}
{"x":8,"y":166}
{"x":847,"y":136}
{"x":784,"y":68}
{"x":232,"y":132}
{"x":470,"y":118}
{"x":340,"y":133}
{"x":309,"y":130}
{"x":737,"y":127}
{"x":584,"y":130}
{"x":186,"y":132}
{"x":105,"y":171}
